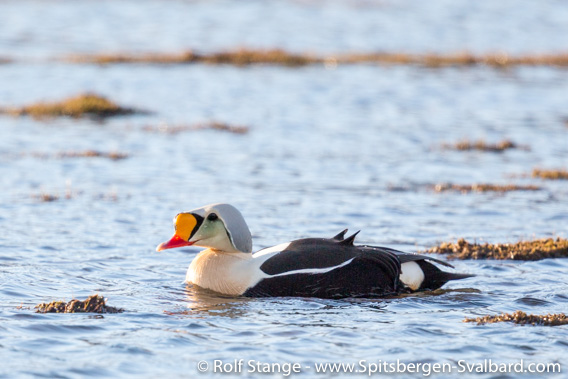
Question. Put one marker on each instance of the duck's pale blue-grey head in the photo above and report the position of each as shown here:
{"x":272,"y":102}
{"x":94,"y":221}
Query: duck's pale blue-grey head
{"x":216,"y":226}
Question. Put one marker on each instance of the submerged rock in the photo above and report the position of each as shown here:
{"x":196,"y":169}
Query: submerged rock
{"x":523,"y":250}
{"x":93,"y":304}
{"x":521,"y":318}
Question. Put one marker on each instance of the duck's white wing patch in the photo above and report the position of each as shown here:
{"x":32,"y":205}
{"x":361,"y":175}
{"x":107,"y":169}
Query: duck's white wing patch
{"x":411,"y":275}
{"x":311,"y":270}
{"x":270,"y":250}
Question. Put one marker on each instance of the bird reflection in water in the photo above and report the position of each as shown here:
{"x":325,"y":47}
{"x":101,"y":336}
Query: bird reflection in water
{"x":207,"y":303}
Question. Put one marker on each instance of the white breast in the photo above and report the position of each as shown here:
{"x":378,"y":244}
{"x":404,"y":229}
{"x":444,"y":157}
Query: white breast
{"x":227,"y":273}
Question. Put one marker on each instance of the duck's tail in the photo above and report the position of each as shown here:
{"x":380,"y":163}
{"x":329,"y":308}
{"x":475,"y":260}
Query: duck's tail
{"x":435,"y":278}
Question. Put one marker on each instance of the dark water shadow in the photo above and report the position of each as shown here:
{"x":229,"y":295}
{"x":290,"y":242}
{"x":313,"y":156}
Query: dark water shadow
{"x":204,"y":303}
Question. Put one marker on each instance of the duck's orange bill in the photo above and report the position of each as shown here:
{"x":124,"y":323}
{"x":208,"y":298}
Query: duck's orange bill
{"x":175,"y":241}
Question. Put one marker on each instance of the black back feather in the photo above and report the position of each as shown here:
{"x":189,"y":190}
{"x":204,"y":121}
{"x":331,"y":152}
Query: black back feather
{"x":341,"y":235}
{"x":349,"y":240}
{"x":355,"y":271}
{"x":409,"y":257}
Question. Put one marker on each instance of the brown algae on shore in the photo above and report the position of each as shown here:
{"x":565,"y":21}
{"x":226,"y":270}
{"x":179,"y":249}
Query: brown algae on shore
{"x":550,"y":174}
{"x":484,"y":187}
{"x":521,"y":318}
{"x":93,"y":304}
{"x":458,"y":59}
{"x":240,"y":57}
{"x":481,"y":145}
{"x":244,"y":56}
{"x":83,"y":105}
{"x":114,"y":155}
{"x":213,"y":125}
{"x":46,"y":197}
{"x":523,"y":250}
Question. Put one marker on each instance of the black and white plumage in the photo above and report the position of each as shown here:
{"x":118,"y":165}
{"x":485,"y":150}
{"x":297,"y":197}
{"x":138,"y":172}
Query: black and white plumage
{"x":309,"y":267}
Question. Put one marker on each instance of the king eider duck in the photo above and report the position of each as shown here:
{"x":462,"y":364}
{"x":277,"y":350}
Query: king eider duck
{"x":308,"y":267}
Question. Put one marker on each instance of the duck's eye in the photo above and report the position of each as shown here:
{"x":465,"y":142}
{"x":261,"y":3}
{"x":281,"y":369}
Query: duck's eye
{"x":212,"y":217}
